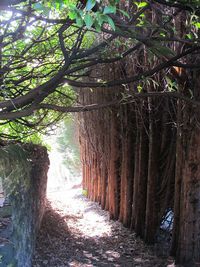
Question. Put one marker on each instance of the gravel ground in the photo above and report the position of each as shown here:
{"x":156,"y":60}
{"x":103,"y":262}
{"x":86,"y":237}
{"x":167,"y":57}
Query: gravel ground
{"x":76,"y":232}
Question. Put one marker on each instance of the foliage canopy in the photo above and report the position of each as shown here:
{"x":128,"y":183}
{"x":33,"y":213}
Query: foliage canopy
{"x":48,"y":48}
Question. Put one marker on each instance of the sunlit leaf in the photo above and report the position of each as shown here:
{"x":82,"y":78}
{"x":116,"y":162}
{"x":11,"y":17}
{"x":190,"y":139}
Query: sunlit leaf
{"x":111,"y":23}
{"x":38,"y":6}
{"x":79,"y":21}
{"x":88,"y":20}
{"x":142,"y":4}
{"x":72,"y":15}
{"x":139,"y":87}
{"x":102,"y":18}
{"x":90,"y":4}
{"x":197,"y":25}
{"x":109,"y":10}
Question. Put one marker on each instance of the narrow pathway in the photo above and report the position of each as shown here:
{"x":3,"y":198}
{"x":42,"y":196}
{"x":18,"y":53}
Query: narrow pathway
{"x":76,"y":232}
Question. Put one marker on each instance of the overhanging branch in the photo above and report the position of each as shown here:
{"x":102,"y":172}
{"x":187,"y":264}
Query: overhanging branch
{"x":131,"y":98}
{"x":127,"y":80}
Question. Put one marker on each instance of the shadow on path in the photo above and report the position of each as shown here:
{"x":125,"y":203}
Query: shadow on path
{"x":61,"y":241}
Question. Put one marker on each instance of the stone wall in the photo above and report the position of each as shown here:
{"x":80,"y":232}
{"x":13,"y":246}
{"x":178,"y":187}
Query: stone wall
{"x":23,"y":180}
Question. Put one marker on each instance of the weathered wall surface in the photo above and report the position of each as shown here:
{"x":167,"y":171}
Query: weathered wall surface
{"x":23,"y":174}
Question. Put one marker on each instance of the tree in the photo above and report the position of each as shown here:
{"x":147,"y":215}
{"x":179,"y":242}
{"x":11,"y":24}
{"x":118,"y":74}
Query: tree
{"x":160,"y":143}
{"x":144,"y":54}
{"x":48,"y":46}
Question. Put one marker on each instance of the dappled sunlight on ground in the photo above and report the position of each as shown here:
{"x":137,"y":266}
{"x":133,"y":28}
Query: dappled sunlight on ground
{"x":76,"y":232}
{"x":74,"y":203}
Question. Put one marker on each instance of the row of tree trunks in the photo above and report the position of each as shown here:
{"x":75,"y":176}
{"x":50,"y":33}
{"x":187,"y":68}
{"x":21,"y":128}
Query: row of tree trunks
{"x":122,"y":152}
{"x":142,"y":159}
{"x":186,"y":231}
{"x":141,"y":172}
{"x":129,"y":168}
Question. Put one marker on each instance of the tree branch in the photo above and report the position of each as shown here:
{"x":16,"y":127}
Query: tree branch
{"x":176,"y":5}
{"x":131,"y":98}
{"x":164,"y":65}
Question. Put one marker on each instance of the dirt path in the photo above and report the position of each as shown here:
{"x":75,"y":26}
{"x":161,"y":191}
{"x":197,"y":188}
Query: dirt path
{"x":76,"y":232}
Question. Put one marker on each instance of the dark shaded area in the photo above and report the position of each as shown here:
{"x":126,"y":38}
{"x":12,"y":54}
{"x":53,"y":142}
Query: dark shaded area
{"x":23,"y":170}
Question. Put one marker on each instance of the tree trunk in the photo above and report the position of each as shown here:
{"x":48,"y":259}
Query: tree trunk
{"x":178,"y":182}
{"x":127,"y":168}
{"x":152,"y":220}
{"x":142,"y":182}
{"x":188,"y":247}
{"x":114,"y":168}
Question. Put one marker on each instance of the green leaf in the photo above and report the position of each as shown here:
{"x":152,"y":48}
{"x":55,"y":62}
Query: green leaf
{"x":59,"y":4}
{"x":90,"y":4}
{"x":172,"y":86}
{"x":163,"y":34}
{"x":46,"y":10}
{"x":113,"y":2}
{"x":97,"y":26}
{"x":84,"y":192}
{"x":139,"y":88}
{"x":38,"y":6}
{"x":101,"y":18}
{"x":88,"y":20}
{"x":141,"y":4}
{"x":72,"y":14}
{"x":189,"y":36}
{"x":111,"y":23}
{"x":124,"y":13}
{"x":197,"y":24}
{"x":109,"y":10}
{"x":79,"y":21}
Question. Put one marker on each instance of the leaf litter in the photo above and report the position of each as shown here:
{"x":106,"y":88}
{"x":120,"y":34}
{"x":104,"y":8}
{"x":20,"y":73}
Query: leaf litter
{"x":76,"y":232}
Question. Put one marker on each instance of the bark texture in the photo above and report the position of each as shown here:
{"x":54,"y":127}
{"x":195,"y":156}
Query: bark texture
{"x":142,"y":159}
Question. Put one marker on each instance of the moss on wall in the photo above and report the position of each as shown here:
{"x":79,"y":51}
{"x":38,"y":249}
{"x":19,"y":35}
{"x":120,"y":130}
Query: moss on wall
{"x":23,"y":169}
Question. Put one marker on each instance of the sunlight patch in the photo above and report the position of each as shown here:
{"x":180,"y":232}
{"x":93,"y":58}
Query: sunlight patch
{"x":95,"y":225}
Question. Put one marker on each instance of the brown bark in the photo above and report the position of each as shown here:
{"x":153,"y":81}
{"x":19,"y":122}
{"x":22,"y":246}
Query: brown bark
{"x":178,"y":182}
{"x":114,"y":168}
{"x":127,"y":168}
{"x":152,"y":220}
{"x":187,"y":243}
{"x":142,"y":183}
{"x":136,"y":174}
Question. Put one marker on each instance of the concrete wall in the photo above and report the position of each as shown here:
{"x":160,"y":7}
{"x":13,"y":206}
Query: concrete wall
{"x":23,"y":180}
